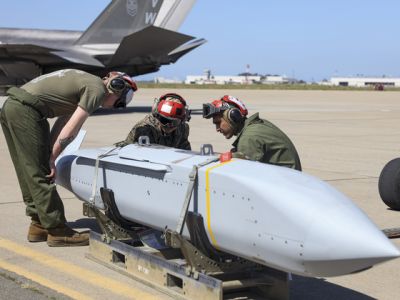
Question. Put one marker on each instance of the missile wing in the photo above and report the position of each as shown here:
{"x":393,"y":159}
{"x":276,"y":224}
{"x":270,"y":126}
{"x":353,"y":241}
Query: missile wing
{"x":274,"y":216}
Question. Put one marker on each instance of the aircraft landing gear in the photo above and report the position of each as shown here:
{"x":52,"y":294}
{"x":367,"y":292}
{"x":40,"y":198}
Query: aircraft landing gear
{"x":389,"y":184}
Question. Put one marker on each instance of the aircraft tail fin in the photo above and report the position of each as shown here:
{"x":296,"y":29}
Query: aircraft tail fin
{"x":124,"y":17}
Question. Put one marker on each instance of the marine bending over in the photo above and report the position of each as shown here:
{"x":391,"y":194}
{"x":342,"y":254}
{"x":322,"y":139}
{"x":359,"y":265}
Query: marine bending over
{"x":72,"y":95}
{"x":256,"y":139}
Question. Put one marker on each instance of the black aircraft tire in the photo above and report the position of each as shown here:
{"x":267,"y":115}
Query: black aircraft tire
{"x":389,"y":184}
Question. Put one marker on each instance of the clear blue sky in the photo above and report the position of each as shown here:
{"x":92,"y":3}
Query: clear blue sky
{"x":307,"y":39}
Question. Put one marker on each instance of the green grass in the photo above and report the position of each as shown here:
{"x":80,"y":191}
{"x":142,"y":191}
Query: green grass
{"x":315,"y":87}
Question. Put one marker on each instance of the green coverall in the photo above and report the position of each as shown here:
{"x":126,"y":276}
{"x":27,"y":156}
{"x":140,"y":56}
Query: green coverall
{"x":262,"y":141}
{"x":26,"y":129}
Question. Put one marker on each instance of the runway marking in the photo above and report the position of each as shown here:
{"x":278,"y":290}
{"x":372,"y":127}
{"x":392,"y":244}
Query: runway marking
{"x":43,"y":281}
{"x":208,"y":201}
{"x":75,"y":271}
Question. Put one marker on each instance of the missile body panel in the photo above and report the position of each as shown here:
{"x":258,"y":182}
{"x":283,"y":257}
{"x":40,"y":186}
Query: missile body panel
{"x":271,"y":215}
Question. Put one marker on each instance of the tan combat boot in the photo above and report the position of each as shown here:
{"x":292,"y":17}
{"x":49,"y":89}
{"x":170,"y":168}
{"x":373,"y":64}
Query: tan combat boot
{"x":64,"y":236}
{"x":37,"y":233}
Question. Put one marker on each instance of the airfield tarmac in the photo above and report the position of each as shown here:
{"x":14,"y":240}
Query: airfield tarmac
{"x":343,"y":137}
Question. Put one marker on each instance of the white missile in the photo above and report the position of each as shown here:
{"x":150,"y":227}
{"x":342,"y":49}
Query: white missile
{"x":275,"y":216}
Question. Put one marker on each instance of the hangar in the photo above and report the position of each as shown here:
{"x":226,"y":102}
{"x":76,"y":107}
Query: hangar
{"x":365,"y":81}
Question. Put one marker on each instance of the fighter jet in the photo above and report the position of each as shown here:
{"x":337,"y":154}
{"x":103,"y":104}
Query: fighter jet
{"x":133,"y":36}
{"x":269,"y":215}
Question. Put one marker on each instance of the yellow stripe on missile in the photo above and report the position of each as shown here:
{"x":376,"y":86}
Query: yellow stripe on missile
{"x":208,"y":201}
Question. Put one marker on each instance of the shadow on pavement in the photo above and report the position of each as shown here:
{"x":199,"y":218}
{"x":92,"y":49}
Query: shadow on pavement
{"x":302,"y":288}
{"x":85,"y":223}
{"x":127,"y":110}
{"x":135,"y":109}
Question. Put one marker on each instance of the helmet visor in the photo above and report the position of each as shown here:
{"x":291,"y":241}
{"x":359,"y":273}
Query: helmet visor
{"x":124,"y":99}
{"x":209,"y":110}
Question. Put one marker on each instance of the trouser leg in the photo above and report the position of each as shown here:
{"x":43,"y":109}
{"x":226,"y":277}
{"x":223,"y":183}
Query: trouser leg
{"x":30,"y":137}
{"x":26,"y":195}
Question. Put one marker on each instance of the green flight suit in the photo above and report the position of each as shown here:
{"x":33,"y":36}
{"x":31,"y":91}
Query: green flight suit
{"x":150,"y":127}
{"x":262,"y":141}
{"x":27,"y":132}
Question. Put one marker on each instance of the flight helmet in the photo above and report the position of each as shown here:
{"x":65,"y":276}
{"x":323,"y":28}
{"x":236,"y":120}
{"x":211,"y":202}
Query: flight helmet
{"x":171,"y":109}
{"x":123,"y":85}
{"x":231,"y":108}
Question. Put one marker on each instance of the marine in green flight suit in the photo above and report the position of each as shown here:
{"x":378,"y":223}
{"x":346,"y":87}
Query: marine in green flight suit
{"x":257,"y":139}
{"x":24,"y":122}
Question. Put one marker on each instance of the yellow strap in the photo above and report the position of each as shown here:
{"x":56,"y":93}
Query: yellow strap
{"x":208,"y":201}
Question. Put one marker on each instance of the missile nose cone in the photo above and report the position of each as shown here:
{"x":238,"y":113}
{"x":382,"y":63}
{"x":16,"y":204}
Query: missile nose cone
{"x":345,"y":242}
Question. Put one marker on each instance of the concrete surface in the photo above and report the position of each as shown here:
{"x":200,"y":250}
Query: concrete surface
{"x":344,"y":138}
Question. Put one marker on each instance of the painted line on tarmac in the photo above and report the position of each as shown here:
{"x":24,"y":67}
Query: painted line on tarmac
{"x":75,"y":271}
{"x":43,"y":281}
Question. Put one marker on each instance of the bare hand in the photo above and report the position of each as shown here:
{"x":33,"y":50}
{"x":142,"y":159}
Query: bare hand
{"x":53,"y":172}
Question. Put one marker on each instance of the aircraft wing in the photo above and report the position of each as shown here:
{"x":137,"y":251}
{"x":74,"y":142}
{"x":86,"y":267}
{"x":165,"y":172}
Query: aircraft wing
{"x":78,"y":58}
{"x":135,"y":37}
{"x":150,"y":45}
{"x":20,"y":63}
{"x":44,"y":56}
{"x":28,"y":52}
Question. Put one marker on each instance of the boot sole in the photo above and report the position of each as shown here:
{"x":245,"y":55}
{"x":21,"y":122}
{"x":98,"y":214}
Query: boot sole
{"x":36,"y":239}
{"x":64,"y":244}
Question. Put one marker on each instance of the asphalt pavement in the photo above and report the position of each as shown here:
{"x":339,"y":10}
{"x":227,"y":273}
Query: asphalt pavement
{"x":343,"y":137}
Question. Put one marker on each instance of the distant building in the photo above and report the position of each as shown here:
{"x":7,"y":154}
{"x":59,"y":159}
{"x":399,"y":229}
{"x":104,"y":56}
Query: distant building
{"x":365,"y":81}
{"x":275,"y":79}
{"x":204,"y":79}
{"x":243,"y":78}
{"x":166,"y":80}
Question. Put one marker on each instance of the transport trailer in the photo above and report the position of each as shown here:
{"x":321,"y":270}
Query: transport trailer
{"x":168,"y":271}
{"x":167,"y":262}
